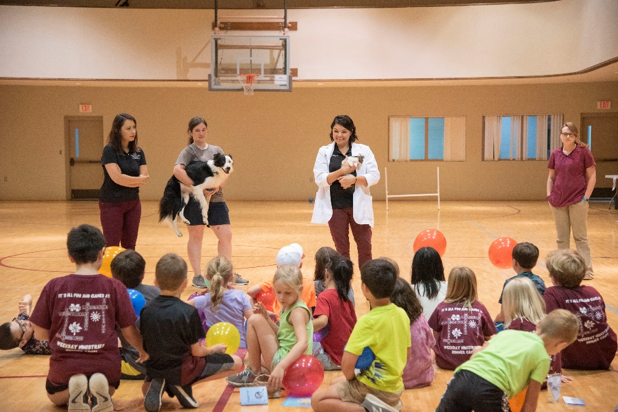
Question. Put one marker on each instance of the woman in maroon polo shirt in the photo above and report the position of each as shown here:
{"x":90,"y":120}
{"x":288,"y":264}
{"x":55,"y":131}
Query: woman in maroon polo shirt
{"x":572,"y":176}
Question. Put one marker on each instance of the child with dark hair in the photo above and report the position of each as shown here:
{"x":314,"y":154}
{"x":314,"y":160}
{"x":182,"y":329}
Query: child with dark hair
{"x":525,"y":256}
{"x":129,"y":267}
{"x":324,"y":258}
{"x":386,"y":331}
{"x":20,"y":333}
{"x":336,"y":310}
{"x":78,"y":312}
{"x":428,"y":279}
{"x":419,"y":366}
{"x":596,"y":345}
{"x":461,"y":322}
{"x":172,"y":330}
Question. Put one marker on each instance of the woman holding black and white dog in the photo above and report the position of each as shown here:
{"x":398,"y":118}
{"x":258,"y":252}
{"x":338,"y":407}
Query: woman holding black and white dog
{"x":124,"y":170}
{"x":218,"y":213}
{"x":343,"y":199}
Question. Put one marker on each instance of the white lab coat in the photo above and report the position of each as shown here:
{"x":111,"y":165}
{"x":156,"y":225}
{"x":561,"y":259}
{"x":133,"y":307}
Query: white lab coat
{"x":363,"y":210}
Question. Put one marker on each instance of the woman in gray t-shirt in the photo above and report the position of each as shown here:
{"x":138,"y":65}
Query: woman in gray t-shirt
{"x":218,"y":213}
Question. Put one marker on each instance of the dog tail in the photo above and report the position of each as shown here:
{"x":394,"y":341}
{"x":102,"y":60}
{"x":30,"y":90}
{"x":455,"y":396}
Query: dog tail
{"x":171,"y":202}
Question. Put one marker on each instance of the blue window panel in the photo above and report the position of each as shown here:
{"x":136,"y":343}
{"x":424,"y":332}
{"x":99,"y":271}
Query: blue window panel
{"x":590,"y":137}
{"x":76,"y":142}
{"x":417,"y":138}
{"x":532,"y":127}
{"x":505,"y":139}
{"x":435,"y":148}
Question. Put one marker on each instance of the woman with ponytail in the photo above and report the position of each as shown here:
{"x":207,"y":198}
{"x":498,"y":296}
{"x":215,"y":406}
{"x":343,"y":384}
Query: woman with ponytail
{"x":222,"y":304}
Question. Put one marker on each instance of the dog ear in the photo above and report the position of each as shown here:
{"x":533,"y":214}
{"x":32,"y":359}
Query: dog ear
{"x":219,"y":160}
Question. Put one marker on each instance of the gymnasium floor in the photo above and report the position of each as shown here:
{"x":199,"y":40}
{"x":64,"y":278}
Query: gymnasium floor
{"x":32,"y":251}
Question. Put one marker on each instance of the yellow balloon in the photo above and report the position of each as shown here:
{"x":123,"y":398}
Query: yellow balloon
{"x":225,"y":333}
{"x":109,"y":255}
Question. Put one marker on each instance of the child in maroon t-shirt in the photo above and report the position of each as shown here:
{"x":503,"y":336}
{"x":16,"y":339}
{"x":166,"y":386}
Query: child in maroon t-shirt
{"x":335,"y":308}
{"x":77,"y":314}
{"x":596,"y":345}
{"x":460,"y":322}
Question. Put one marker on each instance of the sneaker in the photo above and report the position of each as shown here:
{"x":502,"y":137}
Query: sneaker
{"x":152,"y":401}
{"x":242,"y":379}
{"x":374,"y":404}
{"x":200,"y":282}
{"x":262,"y":380}
{"x":99,"y":394}
{"x":239,"y":280}
{"x":78,"y":393}
{"x":184,"y":395}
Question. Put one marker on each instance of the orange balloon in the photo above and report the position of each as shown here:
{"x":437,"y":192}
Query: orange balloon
{"x":517,"y":402}
{"x":501,"y":252}
{"x":267,"y":298}
{"x":430,"y":238}
{"x":109,"y":255}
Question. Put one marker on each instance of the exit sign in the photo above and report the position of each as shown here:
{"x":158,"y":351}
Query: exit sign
{"x":85,"y":108}
{"x":604,"y":104}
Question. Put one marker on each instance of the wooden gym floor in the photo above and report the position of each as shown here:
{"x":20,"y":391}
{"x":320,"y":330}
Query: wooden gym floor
{"x":32,"y":251}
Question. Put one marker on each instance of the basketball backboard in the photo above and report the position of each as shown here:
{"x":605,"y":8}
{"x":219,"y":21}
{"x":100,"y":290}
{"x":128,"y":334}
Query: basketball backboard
{"x":233,"y":57}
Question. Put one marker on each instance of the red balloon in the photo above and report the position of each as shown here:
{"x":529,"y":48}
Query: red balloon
{"x":267,"y":298}
{"x":431,"y":238}
{"x":501,"y":252}
{"x":304,"y":376}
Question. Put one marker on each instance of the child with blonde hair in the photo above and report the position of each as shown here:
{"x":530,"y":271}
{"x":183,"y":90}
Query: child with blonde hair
{"x":461,"y":322}
{"x":335,"y":310}
{"x":222,"y":304}
{"x":419,"y":365}
{"x":272,"y":348}
{"x":596,"y":345}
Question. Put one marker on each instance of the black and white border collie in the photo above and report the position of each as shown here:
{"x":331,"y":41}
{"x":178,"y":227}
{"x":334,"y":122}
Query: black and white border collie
{"x":205,"y":175}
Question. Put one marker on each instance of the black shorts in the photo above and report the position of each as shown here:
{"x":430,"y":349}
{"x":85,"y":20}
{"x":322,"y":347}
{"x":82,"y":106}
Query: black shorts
{"x":218,"y":213}
{"x":468,"y":392}
{"x":51,"y":388}
{"x":215,"y":363}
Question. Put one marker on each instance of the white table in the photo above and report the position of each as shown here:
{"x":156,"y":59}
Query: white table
{"x":614,"y":178}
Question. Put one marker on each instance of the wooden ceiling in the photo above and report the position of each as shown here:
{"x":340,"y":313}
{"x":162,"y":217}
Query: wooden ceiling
{"x":257,"y":4}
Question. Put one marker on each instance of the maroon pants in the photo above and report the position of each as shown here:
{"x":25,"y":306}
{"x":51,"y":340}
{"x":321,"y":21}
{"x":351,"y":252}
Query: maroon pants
{"x":339,"y":226}
{"x":120,"y":222}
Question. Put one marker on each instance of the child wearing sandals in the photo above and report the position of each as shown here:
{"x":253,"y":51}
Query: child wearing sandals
{"x":335,"y":310}
{"x":222,"y":304}
{"x":461,"y":322}
{"x":419,"y":365}
{"x":273,"y":348}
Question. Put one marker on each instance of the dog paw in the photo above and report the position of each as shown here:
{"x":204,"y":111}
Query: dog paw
{"x":179,"y":234}
{"x":184,"y":220}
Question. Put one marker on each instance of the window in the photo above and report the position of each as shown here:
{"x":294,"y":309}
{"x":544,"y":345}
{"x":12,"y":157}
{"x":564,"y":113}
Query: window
{"x":427,"y":138}
{"x":521,"y":137}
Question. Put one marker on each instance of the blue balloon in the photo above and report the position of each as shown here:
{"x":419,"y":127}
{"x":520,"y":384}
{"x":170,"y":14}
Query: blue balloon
{"x":137,"y":300}
{"x":365,"y":359}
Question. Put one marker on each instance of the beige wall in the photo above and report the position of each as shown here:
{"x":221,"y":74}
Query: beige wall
{"x":274,"y":137}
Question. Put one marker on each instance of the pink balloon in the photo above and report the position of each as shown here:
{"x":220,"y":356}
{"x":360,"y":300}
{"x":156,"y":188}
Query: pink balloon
{"x":501,"y":252}
{"x":304,"y":376}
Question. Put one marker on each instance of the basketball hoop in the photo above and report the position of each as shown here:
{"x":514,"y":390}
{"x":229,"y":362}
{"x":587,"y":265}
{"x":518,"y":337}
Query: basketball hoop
{"x":248,"y":82}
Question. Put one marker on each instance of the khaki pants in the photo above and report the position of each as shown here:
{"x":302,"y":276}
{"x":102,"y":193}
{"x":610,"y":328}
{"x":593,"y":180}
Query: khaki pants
{"x":574,"y":217}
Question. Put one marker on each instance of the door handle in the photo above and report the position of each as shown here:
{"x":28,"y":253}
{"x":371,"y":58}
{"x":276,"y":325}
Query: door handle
{"x":72,"y":162}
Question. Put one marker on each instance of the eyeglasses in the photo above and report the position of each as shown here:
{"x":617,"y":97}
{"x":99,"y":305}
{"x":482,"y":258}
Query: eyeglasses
{"x":568,"y":134}
{"x":21,"y":326}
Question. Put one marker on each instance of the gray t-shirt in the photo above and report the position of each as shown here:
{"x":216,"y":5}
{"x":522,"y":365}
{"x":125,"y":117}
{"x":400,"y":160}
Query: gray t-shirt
{"x":193,"y":153}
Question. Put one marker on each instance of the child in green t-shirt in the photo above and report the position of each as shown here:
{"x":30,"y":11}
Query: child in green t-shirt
{"x":507,"y":364}
{"x":378,"y":387}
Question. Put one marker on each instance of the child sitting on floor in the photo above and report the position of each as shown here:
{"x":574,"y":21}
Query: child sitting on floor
{"x":428,"y":279}
{"x":386,"y":331}
{"x":595,"y":346}
{"x":20,"y":333}
{"x":507,"y":364}
{"x":419,"y":366}
{"x":334,"y":310}
{"x":461,"y":322}
{"x":172,"y":330}
{"x":323,"y":262}
{"x":273,"y":348}
{"x":129,"y":267}
{"x":222,"y":304}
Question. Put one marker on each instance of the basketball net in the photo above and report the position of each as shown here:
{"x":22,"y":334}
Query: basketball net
{"x":248,"y":82}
